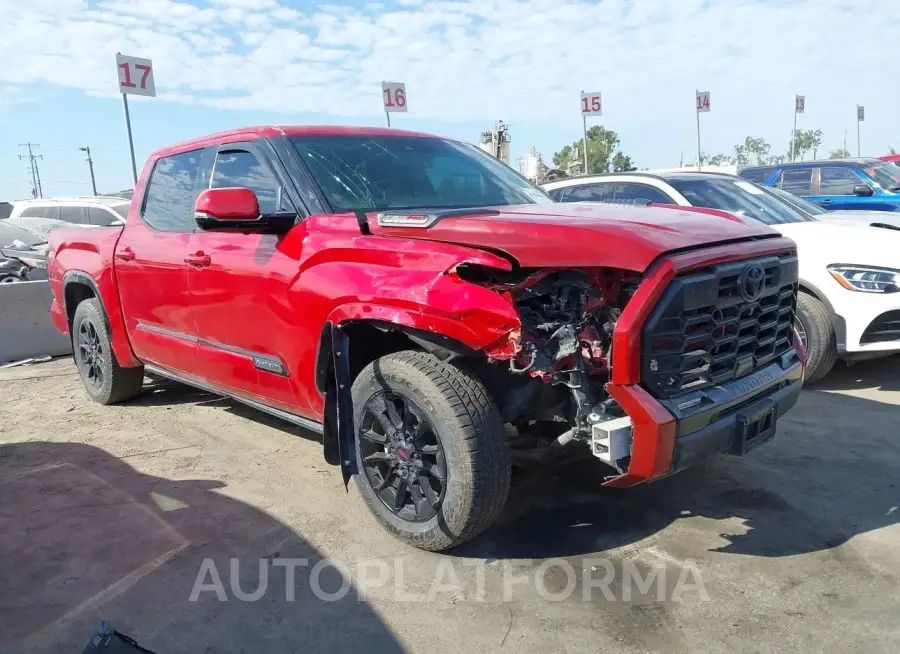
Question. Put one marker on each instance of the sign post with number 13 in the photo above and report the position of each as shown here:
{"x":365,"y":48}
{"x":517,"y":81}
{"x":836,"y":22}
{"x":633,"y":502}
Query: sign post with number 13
{"x":135,"y":78}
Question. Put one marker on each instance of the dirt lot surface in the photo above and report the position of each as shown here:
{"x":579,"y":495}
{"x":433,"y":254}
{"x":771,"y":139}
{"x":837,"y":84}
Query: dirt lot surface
{"x":108,"y":513}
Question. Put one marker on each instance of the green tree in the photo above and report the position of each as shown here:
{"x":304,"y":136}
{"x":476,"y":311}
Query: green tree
{"x":805,"y":140}
{"x":754,"y":151}
{"x":622,"y":163}
{"x":602,"y":153}
{"x":840,"y":153}
{"x":720,"y":160}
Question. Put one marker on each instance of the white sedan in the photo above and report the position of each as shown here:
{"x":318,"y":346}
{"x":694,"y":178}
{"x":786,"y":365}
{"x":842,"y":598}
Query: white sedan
{"x":849,"y":301}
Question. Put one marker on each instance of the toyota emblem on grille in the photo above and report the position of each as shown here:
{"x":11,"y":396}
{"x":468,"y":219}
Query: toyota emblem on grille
{"x":751,"y":282}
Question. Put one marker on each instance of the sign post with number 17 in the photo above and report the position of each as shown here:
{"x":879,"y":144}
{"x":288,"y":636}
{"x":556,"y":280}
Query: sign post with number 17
{"x":393,"y":95}
{"x":135,"y":78}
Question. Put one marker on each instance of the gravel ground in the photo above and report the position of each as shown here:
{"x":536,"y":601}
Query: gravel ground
{"x":120,"y":513}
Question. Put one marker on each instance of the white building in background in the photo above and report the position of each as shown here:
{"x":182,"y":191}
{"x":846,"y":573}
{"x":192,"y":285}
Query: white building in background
{"x":496,"y":142}
{"x":532,"y":167}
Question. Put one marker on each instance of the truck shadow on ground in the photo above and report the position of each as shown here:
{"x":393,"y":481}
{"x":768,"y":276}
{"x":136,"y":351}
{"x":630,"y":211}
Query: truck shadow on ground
{"x":85,"y":537}
{"x":830,"y":474}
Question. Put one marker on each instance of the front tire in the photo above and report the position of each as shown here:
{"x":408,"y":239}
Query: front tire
{"x":434,"y":465}
{"x":817,"y":334}
{"x":104,"y":379}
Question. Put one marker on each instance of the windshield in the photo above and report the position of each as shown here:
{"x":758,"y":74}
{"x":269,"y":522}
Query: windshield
{"x":739,"y":197}
{"x":887,"y":175}
{"x":10,"y":233}
{"x":374,"y":173}
{"x":804,"y":206}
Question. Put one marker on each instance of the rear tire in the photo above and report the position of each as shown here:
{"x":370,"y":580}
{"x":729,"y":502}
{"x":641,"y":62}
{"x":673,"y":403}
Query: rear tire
{"x":104,"y":379}
{"x":820,"y":341}
{"x":429,"y":437}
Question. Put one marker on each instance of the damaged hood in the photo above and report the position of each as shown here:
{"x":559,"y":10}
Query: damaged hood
{"x":581,"y":234}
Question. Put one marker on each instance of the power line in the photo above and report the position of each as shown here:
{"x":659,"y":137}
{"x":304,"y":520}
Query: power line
{"x":36,"y":191}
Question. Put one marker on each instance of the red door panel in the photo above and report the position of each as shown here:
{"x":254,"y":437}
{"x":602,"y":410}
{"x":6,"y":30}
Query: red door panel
{"x":155,"y":297}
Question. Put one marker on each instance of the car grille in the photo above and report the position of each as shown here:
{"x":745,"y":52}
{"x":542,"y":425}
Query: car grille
{"x":719,"y":324}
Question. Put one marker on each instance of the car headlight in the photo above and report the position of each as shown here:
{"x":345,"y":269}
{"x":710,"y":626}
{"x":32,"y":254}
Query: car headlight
{"x":868,"y":279}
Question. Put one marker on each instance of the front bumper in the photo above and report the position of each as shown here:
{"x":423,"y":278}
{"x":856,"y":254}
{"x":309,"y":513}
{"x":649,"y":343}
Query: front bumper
{"x":856,"y":319}
{"x":737,"y":416}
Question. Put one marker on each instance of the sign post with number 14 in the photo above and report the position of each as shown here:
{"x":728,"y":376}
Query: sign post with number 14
{"x":135,"y":78}
{"x":702,"y":106}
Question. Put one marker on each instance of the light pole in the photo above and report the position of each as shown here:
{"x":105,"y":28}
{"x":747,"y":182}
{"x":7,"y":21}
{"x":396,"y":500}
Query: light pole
{"x":91,"y":167}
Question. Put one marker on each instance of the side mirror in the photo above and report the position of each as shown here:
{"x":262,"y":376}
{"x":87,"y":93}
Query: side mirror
{"x":863,"y":190}
{"x":226,"y":208}
{"x":237,"y":210}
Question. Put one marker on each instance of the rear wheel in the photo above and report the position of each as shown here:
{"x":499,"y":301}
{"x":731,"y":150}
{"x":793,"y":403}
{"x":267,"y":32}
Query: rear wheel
{"x":434,"y":462}
{"x":817,"y":335}
{"x":104,"y":380}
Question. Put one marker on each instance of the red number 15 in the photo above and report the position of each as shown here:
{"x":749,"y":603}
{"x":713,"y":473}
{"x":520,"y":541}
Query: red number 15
{"x":594,"y":104}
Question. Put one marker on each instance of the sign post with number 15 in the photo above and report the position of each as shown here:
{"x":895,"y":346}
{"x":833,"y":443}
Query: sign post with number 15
{"x":591,"y":105}
{"x":135,"y":78}
{"x":393,"y":96}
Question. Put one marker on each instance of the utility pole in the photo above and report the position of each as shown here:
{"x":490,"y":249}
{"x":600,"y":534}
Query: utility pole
{"x":91,"y":167}
{"x":36,"y":190}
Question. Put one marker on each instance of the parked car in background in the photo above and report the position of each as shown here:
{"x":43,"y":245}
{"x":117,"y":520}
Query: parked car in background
{"x":835,"y":184}
{"x":877,"y":219}
{"x":23,"y":247}
{"x":99,"y":211}
{"x":849,"y":302}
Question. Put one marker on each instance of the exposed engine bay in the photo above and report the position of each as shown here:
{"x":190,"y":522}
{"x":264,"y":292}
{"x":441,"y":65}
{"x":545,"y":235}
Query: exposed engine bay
{"x":564,"y":354}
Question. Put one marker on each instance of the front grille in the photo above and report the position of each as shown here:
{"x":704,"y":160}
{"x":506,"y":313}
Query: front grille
{"x":711,"y":326}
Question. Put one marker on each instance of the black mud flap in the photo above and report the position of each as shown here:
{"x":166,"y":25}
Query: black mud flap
{"x":338,"y":440}
{"x":754,"y":427}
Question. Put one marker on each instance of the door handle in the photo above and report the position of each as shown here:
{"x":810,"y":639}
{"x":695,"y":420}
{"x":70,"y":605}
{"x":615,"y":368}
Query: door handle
{"x":827,"y":202}
{"x":198,"y":259}
{"x":127,"y":254}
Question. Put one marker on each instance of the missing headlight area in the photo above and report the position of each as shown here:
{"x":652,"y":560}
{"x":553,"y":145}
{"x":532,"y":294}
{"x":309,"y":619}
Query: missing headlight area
{"x":562,"y":357}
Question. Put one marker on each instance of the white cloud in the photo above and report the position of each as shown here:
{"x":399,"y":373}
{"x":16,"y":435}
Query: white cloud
{"x":521,"y":60}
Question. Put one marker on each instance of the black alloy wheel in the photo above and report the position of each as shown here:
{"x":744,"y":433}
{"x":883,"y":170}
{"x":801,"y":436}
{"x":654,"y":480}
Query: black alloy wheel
{"x":402,"y":456}
{"x":91,"y":354}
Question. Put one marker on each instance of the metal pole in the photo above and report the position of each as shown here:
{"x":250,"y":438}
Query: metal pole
{"x":584,"y":126}
{"x":91,"y":167}
{"x":388,"y":115}
{"x":858,"y":147}
{"x":794,"y":133}
{"x":37,"y":174}
{"x":130,"y":141}
{"x":698,"y":131}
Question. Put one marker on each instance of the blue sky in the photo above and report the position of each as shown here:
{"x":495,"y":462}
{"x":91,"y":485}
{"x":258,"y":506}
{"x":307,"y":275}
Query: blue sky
{"x":466,"y":63}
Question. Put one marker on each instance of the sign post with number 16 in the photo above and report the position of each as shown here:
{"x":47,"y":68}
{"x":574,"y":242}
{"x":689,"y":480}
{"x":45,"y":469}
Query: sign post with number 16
{"x":393,"y":95}
{"x":135,"y":78}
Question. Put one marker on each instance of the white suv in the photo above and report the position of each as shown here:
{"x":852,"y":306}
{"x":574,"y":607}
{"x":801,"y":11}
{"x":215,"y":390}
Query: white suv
{"x":98,"y":211}
{"x":849,"y":302}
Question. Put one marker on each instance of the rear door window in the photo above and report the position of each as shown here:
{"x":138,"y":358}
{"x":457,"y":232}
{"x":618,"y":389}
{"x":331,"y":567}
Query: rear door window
{"x":600,"y":192}
{"x":629,"y":193}
{"x":837,"y":180}
{"x":36,"y":212}
{"x":795,"y":180}
{"x":171,"y":192}
{"x":71,"y":214}
{"x":98,"y":216}
{"x":757,"y":175}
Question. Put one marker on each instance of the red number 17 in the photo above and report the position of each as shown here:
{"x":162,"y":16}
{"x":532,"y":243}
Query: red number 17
{"x":127,"y":70}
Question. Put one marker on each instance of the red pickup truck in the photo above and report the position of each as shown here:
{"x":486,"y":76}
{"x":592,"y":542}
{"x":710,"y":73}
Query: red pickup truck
{"x":434,"y":316}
